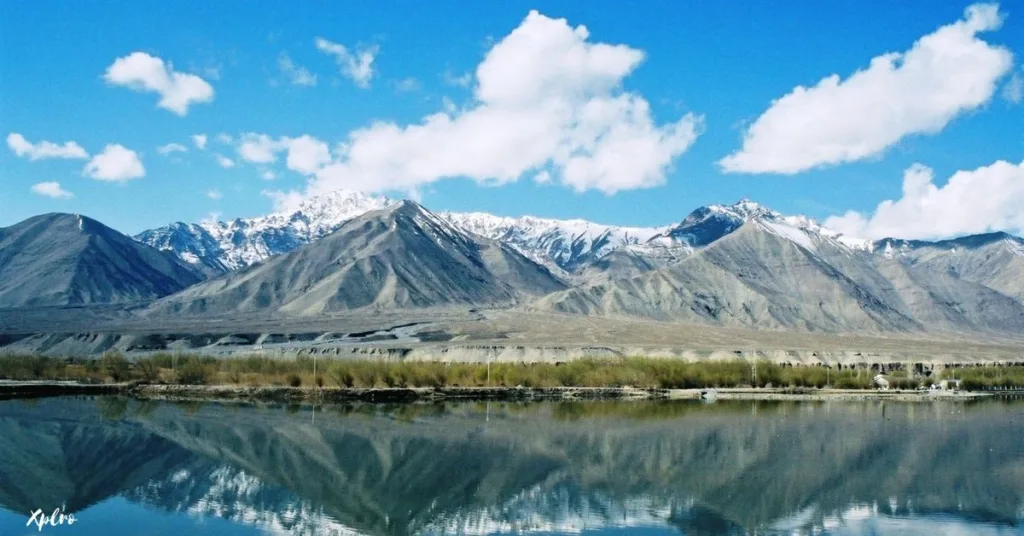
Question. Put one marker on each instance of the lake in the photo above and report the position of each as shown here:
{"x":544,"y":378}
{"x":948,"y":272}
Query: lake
{"x":123,"y":466}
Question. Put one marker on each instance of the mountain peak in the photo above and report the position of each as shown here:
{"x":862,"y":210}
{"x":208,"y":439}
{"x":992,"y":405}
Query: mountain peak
{"x":746,"y":208}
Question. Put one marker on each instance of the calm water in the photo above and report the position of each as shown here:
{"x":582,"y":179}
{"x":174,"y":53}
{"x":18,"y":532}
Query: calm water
{"x":125,"y":467}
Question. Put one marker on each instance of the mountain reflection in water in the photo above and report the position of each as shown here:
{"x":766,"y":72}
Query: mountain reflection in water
{"x":600,"y":467}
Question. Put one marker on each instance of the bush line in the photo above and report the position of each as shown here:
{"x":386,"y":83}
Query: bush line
{"x":635,"y":372}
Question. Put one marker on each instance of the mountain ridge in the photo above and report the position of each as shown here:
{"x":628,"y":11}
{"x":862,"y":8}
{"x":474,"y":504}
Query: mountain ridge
{"x":59,"y":259}
{"x":398,"y":256}
{"x":564,"y":245}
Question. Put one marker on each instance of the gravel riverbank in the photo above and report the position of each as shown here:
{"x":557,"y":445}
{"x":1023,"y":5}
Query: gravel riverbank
{"x":9,"y":390}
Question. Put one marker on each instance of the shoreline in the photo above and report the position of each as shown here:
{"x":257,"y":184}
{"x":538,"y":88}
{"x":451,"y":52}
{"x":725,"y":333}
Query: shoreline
{"x":213,"y":393}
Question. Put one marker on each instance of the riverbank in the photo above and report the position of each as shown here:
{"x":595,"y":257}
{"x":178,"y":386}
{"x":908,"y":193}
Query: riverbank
{"x":212,"y":393}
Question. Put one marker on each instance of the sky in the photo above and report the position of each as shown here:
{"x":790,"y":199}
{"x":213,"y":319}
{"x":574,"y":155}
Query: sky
{"x":877,"y":118}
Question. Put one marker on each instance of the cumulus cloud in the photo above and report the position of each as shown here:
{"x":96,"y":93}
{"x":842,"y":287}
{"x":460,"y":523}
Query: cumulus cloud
{"x":1013,"y":91}
{"x":141,"y":72}
{"x":990,"y":198}
{"x":214,"y":194}
{"x":171,"y":148}
{"x":305,"y":154}
{"x":356,"y":66}
{"x":258,"y":148}
{"x":268,"y":175}
{"x":200,"y":141}
{"x":51,"y":189}
{"x":545,"y":98}
{"x":296,"y":74}
{"x":945,"y":74}
{"x":224,"y":161}
{"x":116,"y":163}
{"x":44,"y":149}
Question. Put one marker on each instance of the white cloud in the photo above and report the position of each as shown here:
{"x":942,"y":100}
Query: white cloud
{"x":224,"y":138}
{"x":1013,"y":91}
{"x":258,"y":148}
{"x":44,"y":149}
{"x":214,"y":194}
{"x":284,"y":201}
{"x":357,"y":66}
{"x":52,"y":189}
{"x":408,"y":85}
{"x":116,"y":163}
{"x":462,"y":80}
{"x":200,"y":141}
{"x":212,"y":218}
{"x":268,"y":175}
{"x":305,"y":154}
{"x":141,"y":72}
{"x":224,"y":161}
{"x":945,"y":74}
{"x":171,"y":148}
{"x":986,"y":199}
{"x":296,"y":74}
{"x":545,"y":98}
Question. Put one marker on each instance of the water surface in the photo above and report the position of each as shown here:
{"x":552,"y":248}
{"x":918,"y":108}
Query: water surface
{"x":129,"y":467}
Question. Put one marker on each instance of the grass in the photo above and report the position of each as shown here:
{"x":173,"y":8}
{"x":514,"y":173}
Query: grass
{"x":986,"y":378}
{"x":333,"y":373}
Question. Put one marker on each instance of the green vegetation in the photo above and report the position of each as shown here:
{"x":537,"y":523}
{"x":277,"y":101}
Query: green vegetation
{"x":337,"y":373}
{"x":986,"y":377}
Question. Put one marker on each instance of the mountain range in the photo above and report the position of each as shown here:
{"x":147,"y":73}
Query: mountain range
{"x":399,"y":256}
{"x":741,"y":265}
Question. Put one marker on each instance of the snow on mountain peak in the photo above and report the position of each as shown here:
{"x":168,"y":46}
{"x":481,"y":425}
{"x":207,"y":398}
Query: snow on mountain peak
{"x":229,"y":245}
{"x":567,"y":243}
{"x":564,"y":245}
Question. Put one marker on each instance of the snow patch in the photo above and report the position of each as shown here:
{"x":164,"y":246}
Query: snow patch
{"x":793,"y":234}
{"x":1016,"y":246}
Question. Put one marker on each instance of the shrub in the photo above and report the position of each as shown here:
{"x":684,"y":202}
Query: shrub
{"x":194,"y":372}
{"x":148,"y":371}
{"x":294,"y":380}
{"x":366,"y":374}
{"x":340,"y":375}
{"x":114,"y":364}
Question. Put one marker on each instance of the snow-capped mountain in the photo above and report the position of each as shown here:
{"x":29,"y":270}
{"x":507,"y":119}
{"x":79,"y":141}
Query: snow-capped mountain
{"x":568,"y":244}
{"x":218,"y":246}
{"x":225,"y":246}
{"x":707,"y":224}
{"x":565,"y":246}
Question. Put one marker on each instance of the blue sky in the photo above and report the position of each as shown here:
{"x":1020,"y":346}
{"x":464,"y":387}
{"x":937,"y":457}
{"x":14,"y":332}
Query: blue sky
{"x":723,"y":62}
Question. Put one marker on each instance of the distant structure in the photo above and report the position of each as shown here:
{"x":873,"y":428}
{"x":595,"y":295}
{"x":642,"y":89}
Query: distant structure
{"x":949,"y":385}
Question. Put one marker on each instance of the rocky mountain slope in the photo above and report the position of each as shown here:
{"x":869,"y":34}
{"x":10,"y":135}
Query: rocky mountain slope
{"x":569,"y":247}
{"x":568,"y":244}
{"x":741,"y":265}
{"x":399,"y":256}
{"x":67,"y":259}
{"x":995,"y":260}
{"x":217,"y":247}
{"x":772,"y":274}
